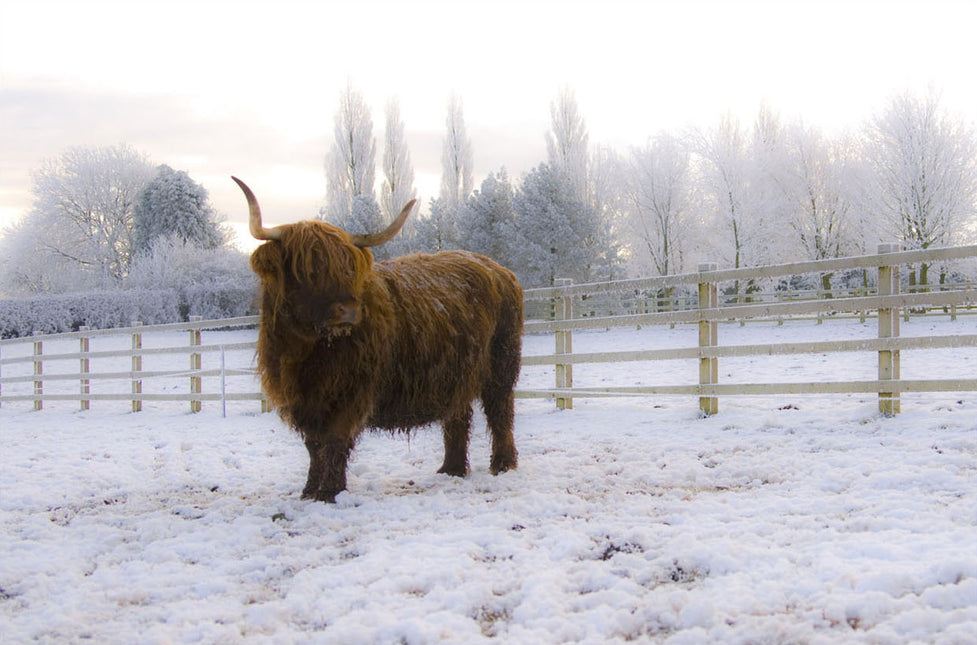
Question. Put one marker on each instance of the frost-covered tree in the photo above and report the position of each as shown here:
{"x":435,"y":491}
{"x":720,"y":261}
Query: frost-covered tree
{"x":398,"y":181}
{"x":213,"y":283}
{"x":816,"y":175}
{"x":365,"y":217}
{"x":173,"y":205}
{"x":659,"y":191}
{"x":488,"y":221}
{"x":770,"y":205}
{"x":727,"y":204}
{"x":398,"y":172}
{"x":924,"y":179}
{"x":607,"y":196}
{"x":438,"y":231}
{"x":25,"y":268}
{"x":170,"y":263}
{"x":591,"y":178}
{"x":560,"y":235}
{"x":549,"y":247}
{"x":456,"y":159}
{"x":567,"y":142}
{"x":351,"y":161}
{"x":79,"y":232}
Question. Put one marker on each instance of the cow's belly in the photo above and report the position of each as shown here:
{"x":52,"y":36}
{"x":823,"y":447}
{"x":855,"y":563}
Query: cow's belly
{"x":440,"y":393}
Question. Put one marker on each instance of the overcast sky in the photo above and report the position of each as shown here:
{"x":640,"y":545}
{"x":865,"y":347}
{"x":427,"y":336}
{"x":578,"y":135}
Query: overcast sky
{"x":251,"y":88}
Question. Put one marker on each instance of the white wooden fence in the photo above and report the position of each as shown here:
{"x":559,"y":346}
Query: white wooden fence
{"x":230,"y":381}
{"x":709,"y":312}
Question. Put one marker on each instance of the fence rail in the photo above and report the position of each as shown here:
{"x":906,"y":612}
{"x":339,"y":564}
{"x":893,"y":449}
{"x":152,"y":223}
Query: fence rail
{"x":193,"y":374}
{"x":707,"y":311}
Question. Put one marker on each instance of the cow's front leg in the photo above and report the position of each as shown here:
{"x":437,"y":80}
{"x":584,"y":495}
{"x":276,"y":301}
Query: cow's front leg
{"x":315,"y":468}
{"x":457,"y":430}
{"x":328,"y":457}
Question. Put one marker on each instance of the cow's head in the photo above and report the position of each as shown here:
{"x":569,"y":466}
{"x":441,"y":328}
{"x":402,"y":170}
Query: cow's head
{"x":312,"y":273}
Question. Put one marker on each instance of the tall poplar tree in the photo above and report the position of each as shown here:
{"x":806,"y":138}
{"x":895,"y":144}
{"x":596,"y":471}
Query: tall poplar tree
{"x":398,"y":182}
{"x":456,"y":158}
{"x":398,"y":172}
{"x":567,"y":142}
{"x":351,"y":167}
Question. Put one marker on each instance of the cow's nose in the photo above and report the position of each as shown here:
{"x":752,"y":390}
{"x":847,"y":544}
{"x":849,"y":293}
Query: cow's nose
{"x":346,"y":313}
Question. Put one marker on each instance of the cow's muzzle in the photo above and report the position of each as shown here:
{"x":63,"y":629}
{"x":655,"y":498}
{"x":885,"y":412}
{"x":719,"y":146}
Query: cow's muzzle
{"x":339,"y":320}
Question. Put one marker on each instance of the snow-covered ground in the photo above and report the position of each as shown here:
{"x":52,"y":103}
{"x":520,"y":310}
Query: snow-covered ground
{"x":790,"y":519}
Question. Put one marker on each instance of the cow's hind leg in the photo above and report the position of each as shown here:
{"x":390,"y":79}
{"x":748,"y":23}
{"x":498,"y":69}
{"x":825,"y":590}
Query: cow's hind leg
{"x":457,"y":431}
{"x":499,"y":407}
{"x":498,"y":400}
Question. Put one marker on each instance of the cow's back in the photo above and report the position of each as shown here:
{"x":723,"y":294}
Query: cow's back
{"x":447,"y":308}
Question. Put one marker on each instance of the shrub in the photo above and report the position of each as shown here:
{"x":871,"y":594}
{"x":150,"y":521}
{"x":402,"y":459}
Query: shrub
{"x":56,"y":313}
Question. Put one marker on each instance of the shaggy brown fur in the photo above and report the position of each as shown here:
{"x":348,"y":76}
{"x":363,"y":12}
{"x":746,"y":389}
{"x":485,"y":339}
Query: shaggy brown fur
{"x":346,"y":344}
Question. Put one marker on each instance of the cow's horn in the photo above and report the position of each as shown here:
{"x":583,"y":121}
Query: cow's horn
{"x":376,"y":239}
{"x":258,"y":231}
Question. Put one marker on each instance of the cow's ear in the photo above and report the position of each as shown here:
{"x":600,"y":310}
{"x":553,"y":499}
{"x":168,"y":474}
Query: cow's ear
{"x":266,"y":260}
{"x":366,"y":258}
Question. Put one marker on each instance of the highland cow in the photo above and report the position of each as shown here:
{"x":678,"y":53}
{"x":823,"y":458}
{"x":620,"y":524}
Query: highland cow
{"x":346,"y":344}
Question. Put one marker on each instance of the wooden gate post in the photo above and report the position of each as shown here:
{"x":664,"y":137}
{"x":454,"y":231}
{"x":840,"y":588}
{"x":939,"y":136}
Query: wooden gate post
{"x":195,"y":384}
{"x":889,"y":404}
{"x":708,"y":337}
{"x":563,"y":309}
{"x":84,"y":367}
{"x":38,"y":370}
{"x":136,"y":367}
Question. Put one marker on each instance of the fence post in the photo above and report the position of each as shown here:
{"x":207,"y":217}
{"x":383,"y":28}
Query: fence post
{"x":38,"y":370}
{"x":708,"y":337}
{"x":84,"y":367}
{"x":195,"y":384}
{"x":563,"y":309}
{"x":136,"y":367}
{"x":889,"y":328}
{"x":223,"y":385}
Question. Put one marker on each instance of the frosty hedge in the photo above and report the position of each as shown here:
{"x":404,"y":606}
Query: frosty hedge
{"x":55,"y":313}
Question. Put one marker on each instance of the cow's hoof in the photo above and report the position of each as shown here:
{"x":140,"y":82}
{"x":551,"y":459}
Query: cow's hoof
{"x":320,"y":496}
{"x":502,"y":465}
{"x":454,"y":471}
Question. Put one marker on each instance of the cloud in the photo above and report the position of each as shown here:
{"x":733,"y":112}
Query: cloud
{"x":49,"y":117}
{"x":212,"y":143}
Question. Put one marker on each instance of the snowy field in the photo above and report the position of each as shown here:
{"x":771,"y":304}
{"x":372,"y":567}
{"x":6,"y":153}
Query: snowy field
{"x":784,"y":519}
